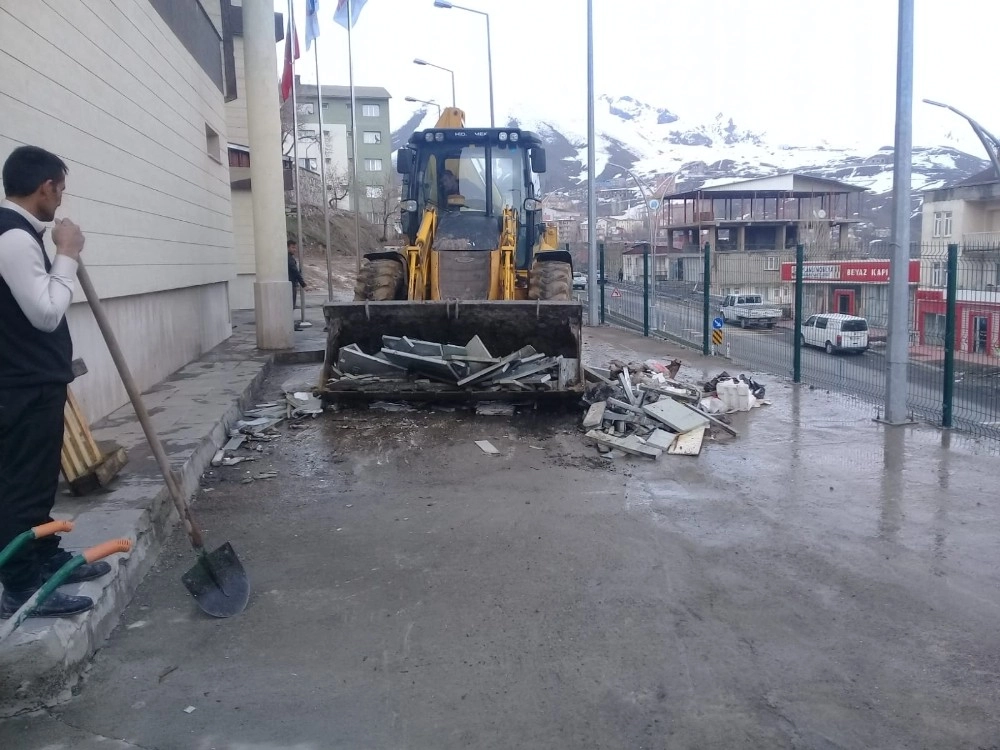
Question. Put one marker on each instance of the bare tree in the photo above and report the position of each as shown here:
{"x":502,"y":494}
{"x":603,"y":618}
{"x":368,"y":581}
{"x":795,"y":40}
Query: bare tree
{"x":384,"y":196}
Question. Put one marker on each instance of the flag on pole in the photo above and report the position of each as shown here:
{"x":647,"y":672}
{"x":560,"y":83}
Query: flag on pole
{"x":291,"y":55}
{"x":312,"y":22}
{"x":340,"y":15}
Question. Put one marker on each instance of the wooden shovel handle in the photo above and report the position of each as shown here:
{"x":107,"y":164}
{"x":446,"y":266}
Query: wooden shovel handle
{"x":140,"y":408}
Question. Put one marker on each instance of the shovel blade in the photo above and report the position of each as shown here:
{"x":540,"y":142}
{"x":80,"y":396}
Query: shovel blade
{"x":219,"y":583}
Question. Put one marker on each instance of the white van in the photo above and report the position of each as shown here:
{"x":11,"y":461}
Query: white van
{"x":836,"y":332}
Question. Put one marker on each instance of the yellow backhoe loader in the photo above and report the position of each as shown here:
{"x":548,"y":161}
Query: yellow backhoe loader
{"x":478,"y":260}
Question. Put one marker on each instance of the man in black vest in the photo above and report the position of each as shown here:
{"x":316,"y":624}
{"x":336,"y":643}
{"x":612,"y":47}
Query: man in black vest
{"x":36,"y":355}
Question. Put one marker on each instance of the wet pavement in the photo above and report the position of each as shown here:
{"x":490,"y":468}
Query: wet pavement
{"x":819,"y":582}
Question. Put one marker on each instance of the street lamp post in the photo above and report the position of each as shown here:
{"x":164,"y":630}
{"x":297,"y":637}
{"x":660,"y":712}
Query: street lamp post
{"x":990,"y":142}
{"x":425,"y":101}
{"x":489,"y":49}
{"x":648,"y":199}
{"x":418,"y":61}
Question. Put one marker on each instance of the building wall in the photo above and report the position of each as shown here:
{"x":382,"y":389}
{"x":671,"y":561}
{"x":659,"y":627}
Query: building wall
{"x":241,"y":291}
{"x":122,"y":101}
{"x":236,"y":110}
{"x":337,"y":119}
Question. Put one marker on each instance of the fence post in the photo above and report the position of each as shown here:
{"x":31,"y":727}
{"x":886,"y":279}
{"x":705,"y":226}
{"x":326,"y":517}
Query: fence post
{"x":948,"y":395}
{"x":603,"y":279}
{"x":706,"y":313}
{"x":645,"y":293}
{"x":800,"y":254}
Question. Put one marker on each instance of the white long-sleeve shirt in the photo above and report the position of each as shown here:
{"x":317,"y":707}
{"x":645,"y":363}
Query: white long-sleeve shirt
{"x":43,"y":296}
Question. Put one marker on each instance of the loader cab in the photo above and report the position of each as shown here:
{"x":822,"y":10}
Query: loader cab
{"x":470,"y":176}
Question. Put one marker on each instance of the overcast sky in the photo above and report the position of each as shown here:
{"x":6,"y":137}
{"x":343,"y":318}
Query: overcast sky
{"x":804,"y":71}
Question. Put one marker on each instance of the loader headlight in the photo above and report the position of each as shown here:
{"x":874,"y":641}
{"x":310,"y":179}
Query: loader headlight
{"x":514,"y":137}
{"x":502,"y":137}
{"x":439,"y":137}
{"x":531,"y":205}
{"x":410,"y":206}
{"x":429,"y":137}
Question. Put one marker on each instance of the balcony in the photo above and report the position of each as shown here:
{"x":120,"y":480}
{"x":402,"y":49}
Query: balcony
{"x":980,"y":241}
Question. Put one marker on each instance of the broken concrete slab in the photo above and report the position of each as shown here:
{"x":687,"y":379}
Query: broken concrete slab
{"x":431,"y":366}
{"x":676,"y":416}
{"x":594,"y":415}
{"x":413,"y":346}
{"x":352,"y":361}
{"x":661,"y":439}
{"x":630,"y":444}
{"x":487,"y":447}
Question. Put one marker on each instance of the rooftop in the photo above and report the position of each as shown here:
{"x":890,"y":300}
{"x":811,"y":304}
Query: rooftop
{"x":787,"y":185}
{"x":308,"y":90}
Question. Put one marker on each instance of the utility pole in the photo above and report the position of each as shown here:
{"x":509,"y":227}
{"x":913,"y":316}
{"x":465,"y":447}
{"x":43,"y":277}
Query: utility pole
{"x":896,"y":387}
{"x":592,"y":292}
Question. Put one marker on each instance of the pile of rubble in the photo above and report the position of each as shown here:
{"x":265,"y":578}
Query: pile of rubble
{"x":434,"y":367}
{"x":643,"y":410}
{"x":258,"y":424}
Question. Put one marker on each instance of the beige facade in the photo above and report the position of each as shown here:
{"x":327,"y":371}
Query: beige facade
{"x":142,"y":125}
{"x":966,"y":214}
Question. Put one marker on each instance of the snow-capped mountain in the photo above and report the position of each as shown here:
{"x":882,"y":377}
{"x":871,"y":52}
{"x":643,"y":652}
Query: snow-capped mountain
{"x":655,"y":141}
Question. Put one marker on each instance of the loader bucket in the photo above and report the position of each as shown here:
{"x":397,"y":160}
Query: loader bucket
{"x":552,"y":328}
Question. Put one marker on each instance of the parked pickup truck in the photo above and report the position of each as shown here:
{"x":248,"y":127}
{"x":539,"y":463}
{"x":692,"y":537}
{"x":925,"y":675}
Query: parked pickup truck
{"x":749,"y":311}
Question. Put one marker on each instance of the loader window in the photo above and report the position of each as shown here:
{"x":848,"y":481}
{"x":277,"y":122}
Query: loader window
{"x":508,"y":170}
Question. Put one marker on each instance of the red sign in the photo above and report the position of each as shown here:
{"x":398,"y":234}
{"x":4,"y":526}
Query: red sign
{"x":846,"y":272}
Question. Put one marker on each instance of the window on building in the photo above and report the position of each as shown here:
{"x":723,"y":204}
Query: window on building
{"x":772,"y":263}
{"x":939,"y":274}
{"x":310,"y":164}
{"x":942,"y":223}
{"x":238,"y":158}
{"x":373,"y":165}
{"x":213,"y":146}
{"x":775,"y":293}
{"x":370,"y":110}
{"x":373,"y":191}
{"x":372,"y":136}
{"x":307,"y":108}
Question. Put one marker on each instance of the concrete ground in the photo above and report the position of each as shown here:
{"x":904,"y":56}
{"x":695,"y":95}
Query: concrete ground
{"x":819,"y":582}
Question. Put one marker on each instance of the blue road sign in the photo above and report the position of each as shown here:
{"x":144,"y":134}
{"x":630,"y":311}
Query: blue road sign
{"x":718,"y":324}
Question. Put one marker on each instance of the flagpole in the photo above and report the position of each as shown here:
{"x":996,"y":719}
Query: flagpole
{"x":322,"y":171}
{"x":295,"y":155}
{"x":354,"y":131}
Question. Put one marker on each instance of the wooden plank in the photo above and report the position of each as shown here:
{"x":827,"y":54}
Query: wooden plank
{"x":688,"y":443}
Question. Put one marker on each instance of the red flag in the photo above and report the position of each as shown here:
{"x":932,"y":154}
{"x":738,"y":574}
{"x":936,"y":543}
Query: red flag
{"x":291,"y":55}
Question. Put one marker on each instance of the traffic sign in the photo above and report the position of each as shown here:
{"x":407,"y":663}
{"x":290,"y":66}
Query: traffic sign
{"x":717,"y":337}
{"x":617,"y":292}
{"x":653,"y":204}
{"x":718,"y":323}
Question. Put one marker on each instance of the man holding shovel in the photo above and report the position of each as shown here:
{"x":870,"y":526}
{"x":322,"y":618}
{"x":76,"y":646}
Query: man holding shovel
{"x":35,"y":367}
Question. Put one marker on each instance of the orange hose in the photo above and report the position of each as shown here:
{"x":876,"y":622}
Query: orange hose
{"x":52,"y":527}
{"x":104,"y":549}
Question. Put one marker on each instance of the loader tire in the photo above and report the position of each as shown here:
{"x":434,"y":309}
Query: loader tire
{"x":551,"y":280}
{"x":379,"y":280}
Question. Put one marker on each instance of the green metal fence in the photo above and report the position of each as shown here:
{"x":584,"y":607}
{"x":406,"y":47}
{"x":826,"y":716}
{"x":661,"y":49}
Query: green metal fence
{"x":793,"y":313}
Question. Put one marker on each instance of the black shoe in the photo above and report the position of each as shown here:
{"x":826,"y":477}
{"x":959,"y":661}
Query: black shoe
{"x":85,"y":572}
{"x":56,"y":605}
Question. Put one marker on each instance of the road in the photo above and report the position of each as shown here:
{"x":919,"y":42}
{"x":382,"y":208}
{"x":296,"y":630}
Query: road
{"x":976,"y":402}
{"x":410,"y":591}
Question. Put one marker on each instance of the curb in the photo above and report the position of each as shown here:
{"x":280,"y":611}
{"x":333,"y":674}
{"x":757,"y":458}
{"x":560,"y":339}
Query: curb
{"x":39,"y":667}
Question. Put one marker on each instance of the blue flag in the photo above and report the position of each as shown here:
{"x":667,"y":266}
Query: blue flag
{"x":340,"y":14}
{"x":312,"y":22}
